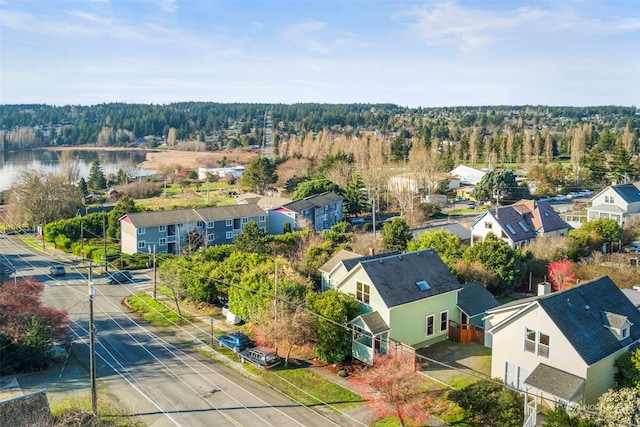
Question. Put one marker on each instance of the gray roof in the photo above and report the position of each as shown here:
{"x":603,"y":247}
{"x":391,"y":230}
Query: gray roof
{"x":474,"y":299}
{"x":315,"y":201}
{"x":453,"y":228}
{"x":395,"y":277}
{"x":577,"y":313}
{"x":181,"y":216}
{"x":633,"y":295}
{"x":630,"y":193}
{"x":374,"y":322}
{"x":328,"y":266}
{"x":554,"y":381}
{"x":349,"y":263}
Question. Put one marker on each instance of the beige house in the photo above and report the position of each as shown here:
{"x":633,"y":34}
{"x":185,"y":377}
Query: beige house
{"x":520,"y":223}
{"x":616,"y":202}
{"x":561,"y":347}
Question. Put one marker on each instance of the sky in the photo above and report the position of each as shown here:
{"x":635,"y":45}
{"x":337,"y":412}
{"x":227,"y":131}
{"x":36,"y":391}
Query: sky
{"x":410,"y":53}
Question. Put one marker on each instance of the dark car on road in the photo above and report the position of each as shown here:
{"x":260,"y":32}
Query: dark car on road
{"x":261,"y":357}
{"x":236,"y":341}
{"x":57,"y":270}
{"x":119,"y":277}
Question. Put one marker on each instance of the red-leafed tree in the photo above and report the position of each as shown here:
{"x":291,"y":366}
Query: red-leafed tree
{"x":561,"y":274}
{"x":27,"y":327}
{"x":393,"y":388}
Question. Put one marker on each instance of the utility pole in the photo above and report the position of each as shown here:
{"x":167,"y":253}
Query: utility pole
{"x":92,"y":350}
{"x":104,"y":235}
{"x":155,"y":282}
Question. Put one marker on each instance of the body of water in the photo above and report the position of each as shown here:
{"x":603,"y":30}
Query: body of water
{"x":12,"y":163}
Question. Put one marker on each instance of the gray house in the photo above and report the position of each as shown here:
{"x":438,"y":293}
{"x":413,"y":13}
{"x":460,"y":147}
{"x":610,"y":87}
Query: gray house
{"x":320,"y":212}
{"x":616,"y":202}
{"x":172,"y":231}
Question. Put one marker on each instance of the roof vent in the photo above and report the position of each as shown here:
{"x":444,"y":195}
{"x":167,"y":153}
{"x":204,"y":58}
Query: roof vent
{"x":586,"y":307}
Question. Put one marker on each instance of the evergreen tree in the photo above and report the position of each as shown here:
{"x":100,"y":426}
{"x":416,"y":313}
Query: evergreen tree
{"x":84,"y":190}
{"x":97,"y":180}
{"x":355,"y":199}
{"x":259,"y":174}
{"x":396,"y":234}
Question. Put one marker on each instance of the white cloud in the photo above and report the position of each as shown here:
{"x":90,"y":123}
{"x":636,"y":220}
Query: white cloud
{"x":169,"y":6}
{"x":307,"y":35}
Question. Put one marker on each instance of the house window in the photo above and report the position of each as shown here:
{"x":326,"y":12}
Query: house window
{"x":363,"y":292}
{"x":624,"y":333}
{"x":488,"y":225}
{"x":430,"y":325}
{"x":162,"y":241}
{"x":229,"y":222}
{"x":211,"y":224}
{"x":608,"y":199}
{"x":211,"y":237}
{"x":543,"y":345}
{"x":530,"y":341}
{"x":536,"y":343}
{"x":245,"y":220}
{"x":142,"y":244}
{"x":229,"y":235}
{"x":261,"y":218}
{"x":162,"y":228}
{"x":141,"y":230}
{"x":200,"y":224}
{"x":444,"y":317}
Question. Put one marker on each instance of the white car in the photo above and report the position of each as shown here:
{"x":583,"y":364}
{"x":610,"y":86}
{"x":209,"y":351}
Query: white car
{"x":559,"y":198}
{"x":572,"y":195}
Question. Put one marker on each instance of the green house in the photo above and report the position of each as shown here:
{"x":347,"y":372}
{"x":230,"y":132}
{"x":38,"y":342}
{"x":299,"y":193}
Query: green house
{"x":408,"y":298}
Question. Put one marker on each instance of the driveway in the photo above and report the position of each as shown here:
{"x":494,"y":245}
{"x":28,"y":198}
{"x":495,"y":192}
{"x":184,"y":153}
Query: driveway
{"x":453,"y":364}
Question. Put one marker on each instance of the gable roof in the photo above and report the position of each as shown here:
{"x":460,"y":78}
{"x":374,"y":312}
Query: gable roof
{"x":315,"y":201}
{"x":525,"y":219}
{"x":474,"y":299}
{"x":630,"y":193}
{"x":395,"y":277}
{"x":453,"y":228}
{"x":577,"y":313}
{"x":344,"y":254}
{"x":182,"y":216}
{"x":373,"y":322}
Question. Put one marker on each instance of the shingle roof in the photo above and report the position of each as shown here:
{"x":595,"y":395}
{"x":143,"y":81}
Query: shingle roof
{"x":181,"y":216}
{"x":315,"y":201}
{"x":577,"y":313}
{"x":328,"y":266}
{"x":554,"y":381}
{"x":525,"y":219}
{"x":395,"y":277}
{"x":374,"y":322}
{"x":474,"y":299}
{"x":453,"y":228}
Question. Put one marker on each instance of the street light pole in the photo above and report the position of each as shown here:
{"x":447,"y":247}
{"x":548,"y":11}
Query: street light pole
{"x":92,"y":349}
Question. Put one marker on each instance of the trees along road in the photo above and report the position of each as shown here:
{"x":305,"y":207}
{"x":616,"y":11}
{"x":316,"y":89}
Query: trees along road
{"x":156,"y":374}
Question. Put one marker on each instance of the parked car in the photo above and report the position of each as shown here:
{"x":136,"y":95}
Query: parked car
{"x":236,"y":341}
{"x":120,"y":277}
{"x":261,"y":357}
{"x":572,"y":195}
{"x":544,"y":199}
{"x":231,"y":318}
{"x":585,"y":193}
{"x":559,"y":198}
{"x":357,"y":221}
{"x":57,"y":270}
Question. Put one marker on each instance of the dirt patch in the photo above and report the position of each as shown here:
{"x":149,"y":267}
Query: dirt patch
{"x":192,"y":160}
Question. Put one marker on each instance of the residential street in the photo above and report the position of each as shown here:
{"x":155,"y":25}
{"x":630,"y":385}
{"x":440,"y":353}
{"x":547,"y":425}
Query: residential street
{"x":155,"y":374}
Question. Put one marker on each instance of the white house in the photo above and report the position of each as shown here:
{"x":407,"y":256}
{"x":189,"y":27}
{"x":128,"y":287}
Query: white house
{"x":520,"y":223}
{"x":616,"y":202}
{"x":561,"y":347}
{"x":467,"y":175}
{"x":234,"y":171}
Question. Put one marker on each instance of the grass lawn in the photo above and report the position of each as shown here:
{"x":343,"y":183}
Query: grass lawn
{"x":304,"y":386}
{"x":155,"y":311}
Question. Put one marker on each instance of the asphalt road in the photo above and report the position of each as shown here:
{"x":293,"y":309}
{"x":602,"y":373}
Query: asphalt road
{"x":155,"y":374}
